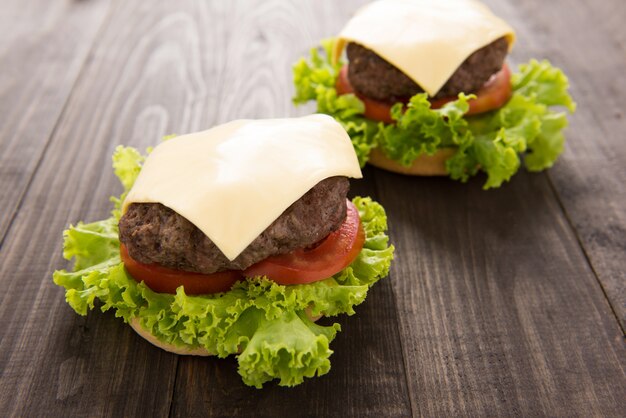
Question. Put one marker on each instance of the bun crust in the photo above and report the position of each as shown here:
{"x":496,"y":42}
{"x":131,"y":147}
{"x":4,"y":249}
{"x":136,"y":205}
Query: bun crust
{"x":424,"y":165}
{"x":182,"y":350}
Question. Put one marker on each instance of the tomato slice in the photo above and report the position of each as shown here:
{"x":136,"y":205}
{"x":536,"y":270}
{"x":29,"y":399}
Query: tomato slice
{"x":493,"y":95}
{"x":329,"y":257}
{"x":165,"y":280}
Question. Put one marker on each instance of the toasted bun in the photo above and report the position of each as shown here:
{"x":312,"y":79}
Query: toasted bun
{"x":424,"y":165}
{"x":182,"y":350}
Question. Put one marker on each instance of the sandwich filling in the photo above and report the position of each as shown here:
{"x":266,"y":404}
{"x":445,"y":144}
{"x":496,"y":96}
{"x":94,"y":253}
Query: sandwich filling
{"x":155,"y":234}
{"x":372,"y":76}
{"x":232,"y":182}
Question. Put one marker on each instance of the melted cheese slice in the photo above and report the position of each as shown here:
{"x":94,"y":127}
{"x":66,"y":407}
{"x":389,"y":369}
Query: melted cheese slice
{"x":426,"y":39}
{"x":234,"y":180}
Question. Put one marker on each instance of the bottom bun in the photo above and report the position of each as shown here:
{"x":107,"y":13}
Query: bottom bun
{"x":182,"y":350}
{"x":423,"y":165}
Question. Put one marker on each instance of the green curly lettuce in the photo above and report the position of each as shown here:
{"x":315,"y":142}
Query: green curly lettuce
{"x":526,"y":129}
{"x":266,"y":323}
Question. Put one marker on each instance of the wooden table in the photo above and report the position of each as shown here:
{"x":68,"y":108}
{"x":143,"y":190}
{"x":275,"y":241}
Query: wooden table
{"x":505,"y":302}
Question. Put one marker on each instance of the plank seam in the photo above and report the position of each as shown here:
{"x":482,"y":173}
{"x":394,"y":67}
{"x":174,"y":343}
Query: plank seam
{"x":584,"y":251}
{"x":398,"y":323}
{"x":171,"y":406}
{"x":55,"y":128}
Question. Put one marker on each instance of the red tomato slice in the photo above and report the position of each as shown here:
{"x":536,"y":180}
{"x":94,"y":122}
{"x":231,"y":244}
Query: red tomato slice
{"x":493,"y":95}
{"x":164,"y":280}
{"x":332,"y":255}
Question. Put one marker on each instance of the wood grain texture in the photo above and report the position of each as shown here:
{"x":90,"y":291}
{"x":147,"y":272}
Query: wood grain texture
{"x":493,"y":307}
{"x":42,"y":49}
{"x":590,"y":177}
{"x":499,"y":312}
{"x":506,"y":317}
{"x":142,"y":80}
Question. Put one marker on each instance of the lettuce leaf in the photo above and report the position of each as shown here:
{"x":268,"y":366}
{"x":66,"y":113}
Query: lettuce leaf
{"x":315,"y":80}
{"x":526,"y":126}
{"x":261,"y":320}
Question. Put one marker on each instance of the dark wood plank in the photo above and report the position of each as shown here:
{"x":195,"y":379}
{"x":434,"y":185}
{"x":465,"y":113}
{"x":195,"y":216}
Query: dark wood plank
{"x":43,"y":47}
{"x":500,"y":313}
{"x":145,"y":79}
{"x":590,"y":177}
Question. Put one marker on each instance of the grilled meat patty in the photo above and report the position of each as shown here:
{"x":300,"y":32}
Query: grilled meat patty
{"x":154,"y":233}
{"x":372,"y":76}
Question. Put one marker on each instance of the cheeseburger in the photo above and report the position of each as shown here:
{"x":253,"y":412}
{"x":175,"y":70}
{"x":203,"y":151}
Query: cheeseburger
{"x":235,"y":240}
{"x":426,"y":90}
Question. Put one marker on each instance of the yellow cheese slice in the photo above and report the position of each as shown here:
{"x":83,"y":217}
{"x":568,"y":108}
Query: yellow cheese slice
{"x":234,"y":180}
{"x":426,"y":39}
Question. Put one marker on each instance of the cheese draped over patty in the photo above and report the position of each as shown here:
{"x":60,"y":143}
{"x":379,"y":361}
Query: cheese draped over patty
{"x":234,"y":180}
{"x":425,"y":39}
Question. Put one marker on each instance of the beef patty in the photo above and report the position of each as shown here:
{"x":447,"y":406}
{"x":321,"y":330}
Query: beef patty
{"x":372,"y":76}
{"x":154,"y":233}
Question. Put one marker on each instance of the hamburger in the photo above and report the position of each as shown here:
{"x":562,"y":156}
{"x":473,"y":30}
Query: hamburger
{"x":426,"y":90}
{"x":234,"y":241}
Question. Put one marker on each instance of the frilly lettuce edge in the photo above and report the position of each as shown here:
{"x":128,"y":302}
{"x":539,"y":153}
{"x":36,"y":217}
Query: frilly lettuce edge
{"x":527,"y":129}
